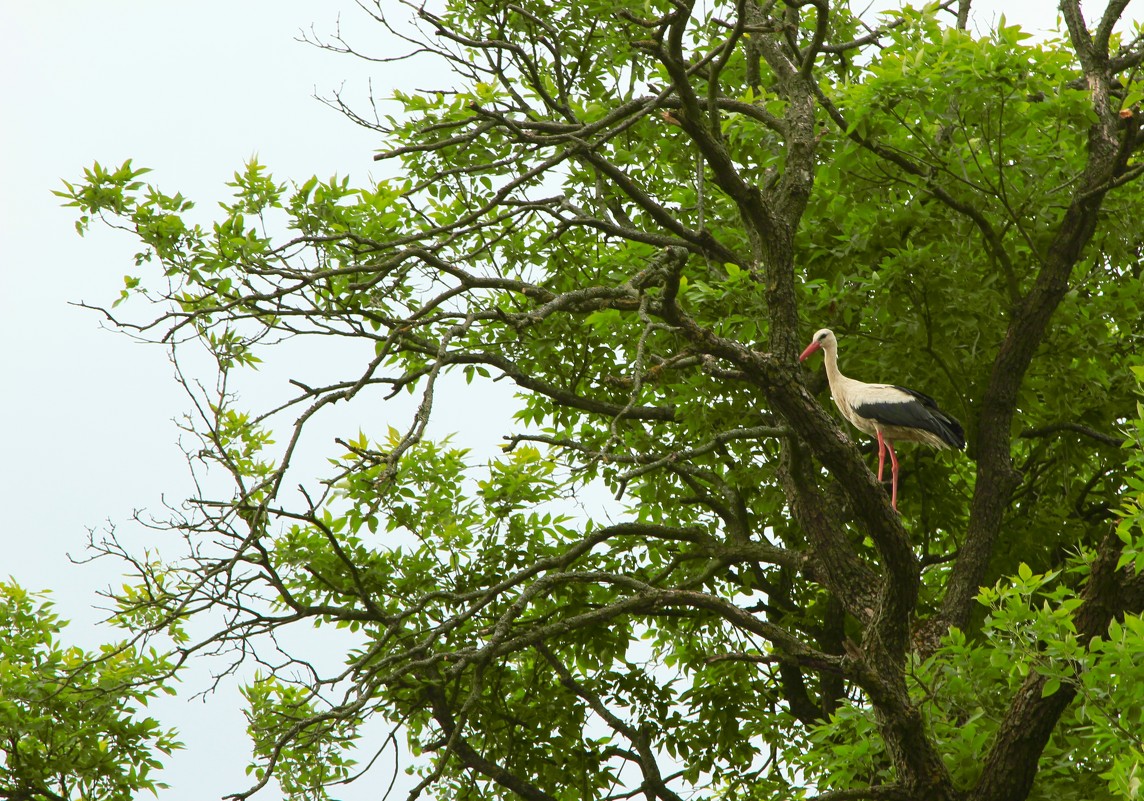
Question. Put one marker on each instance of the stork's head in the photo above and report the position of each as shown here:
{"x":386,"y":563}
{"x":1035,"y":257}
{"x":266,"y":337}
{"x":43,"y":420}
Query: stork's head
{"x":823,"y":338}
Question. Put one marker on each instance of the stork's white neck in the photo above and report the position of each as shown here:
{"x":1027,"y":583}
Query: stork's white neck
{"x":834,"y":376}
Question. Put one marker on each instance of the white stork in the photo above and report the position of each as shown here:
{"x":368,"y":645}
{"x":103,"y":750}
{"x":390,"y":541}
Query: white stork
{"x":885,"y":411}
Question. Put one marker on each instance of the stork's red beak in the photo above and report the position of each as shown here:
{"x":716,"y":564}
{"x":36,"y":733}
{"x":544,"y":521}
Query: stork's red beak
{"x":811,"y":348}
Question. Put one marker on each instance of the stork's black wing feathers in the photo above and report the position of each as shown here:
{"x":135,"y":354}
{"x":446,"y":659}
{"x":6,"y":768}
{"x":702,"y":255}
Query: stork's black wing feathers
{"x":955,"y":435}
{"x":918,"y":411}
{"x":921,"y":396}
{"x":903,"y":414}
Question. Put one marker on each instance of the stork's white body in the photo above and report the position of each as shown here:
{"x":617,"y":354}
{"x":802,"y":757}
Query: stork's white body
{"x":885,"y":411}
{"x":850,"y":395}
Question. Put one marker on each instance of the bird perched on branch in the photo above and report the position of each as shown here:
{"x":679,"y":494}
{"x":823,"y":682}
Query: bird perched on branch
{"x":888,"y":412}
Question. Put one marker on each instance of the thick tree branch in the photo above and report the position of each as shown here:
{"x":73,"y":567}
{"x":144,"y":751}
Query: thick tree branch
{"x":1055,"y":428}
{"x":459,"y":746}
{"x":884,"y":792}
{"x":996,"y":477}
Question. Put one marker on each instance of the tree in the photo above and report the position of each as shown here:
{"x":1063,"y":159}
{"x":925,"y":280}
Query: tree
{"x":637,"y":213}
{"x":70,"y":727}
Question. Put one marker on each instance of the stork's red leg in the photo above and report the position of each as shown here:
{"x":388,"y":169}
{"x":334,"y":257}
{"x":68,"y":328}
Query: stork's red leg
{"x":881,"y":455}
{"x":894,"y":468}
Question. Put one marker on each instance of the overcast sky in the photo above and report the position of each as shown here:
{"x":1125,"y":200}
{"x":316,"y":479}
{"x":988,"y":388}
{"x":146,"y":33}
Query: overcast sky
{"x":191,"y":90}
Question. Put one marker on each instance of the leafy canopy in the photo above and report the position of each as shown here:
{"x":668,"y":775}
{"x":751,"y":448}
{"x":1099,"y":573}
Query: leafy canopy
{"x":635,"y":213}
{"x":70,"y":720}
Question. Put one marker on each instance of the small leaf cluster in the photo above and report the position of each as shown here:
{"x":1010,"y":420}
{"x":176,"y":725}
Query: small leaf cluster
{"x":71,"y":725}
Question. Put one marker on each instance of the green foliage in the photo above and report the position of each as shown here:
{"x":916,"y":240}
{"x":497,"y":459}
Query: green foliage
{"x":1130,"y":529}
{"x":70,"y":721}
{"x":305,"y":753}
{"x":635,"y":215}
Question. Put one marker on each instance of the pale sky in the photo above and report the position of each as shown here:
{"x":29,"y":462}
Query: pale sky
{"x":192,"y":91}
